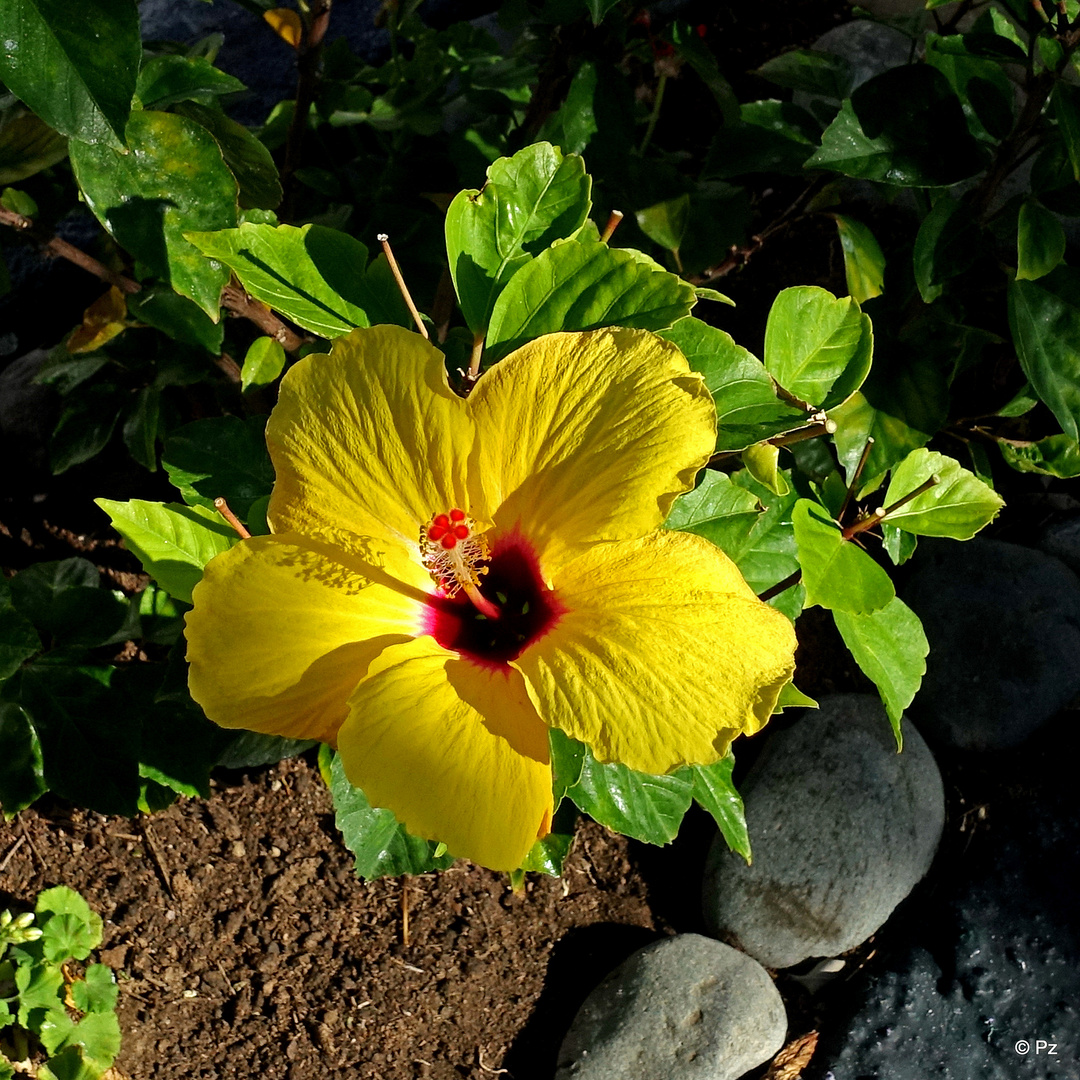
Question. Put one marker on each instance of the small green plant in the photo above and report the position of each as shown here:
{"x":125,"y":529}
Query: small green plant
{"x":57,"y":1017}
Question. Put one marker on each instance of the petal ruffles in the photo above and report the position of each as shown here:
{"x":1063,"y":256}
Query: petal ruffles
{"x":663,"y":654}
{"x":454,"y":749}
{"x":282,"y":631}
{"x":589,"y":436}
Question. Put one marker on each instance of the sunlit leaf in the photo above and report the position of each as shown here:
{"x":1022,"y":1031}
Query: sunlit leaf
{"x":665,"y":223}
{"x":1057,"y":455}
{"x":714,"y":791}
{"x":864,"y":261}
{"x":168,"y":79}
{"x":263,"y":362}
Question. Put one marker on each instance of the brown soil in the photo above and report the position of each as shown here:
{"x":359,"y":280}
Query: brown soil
{"x":244,"y":945}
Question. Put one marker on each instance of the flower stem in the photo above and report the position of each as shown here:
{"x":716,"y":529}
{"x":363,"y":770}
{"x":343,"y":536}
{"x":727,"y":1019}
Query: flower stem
{"x":396,"y":271}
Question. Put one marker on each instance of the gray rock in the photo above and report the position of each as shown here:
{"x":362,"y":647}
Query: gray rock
{"x":1063,"y":542}
{"x":987,"y":984}
{"x":687,"y":1007}
{"x":1003,"y":623}
{"x":842,"y":828}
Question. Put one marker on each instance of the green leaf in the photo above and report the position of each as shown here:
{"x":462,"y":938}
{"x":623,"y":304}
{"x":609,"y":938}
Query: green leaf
{"x":891,"y":649}
{"x":77,"y":73}
{"x":864,"y":261}
{"x":717,"y":509}
{"x":70,"y":1064}
{"x":85,"y":426}
{"x":762,"y":462}
{"x":173,"y":180}
{"x":665,"y":223}
{"x":89,"y":748}
{"x":165,"y":80}
{"x":96,"y":991}
{"x":1057,"y":455}
{"x":311,"y":275}
{"x":22,"y":778}
{"x":959,"y":505}
{"x":567,"y":758}
{"x":767,"y":554}
{"x":1022,"y":402}
{"x":924,"y":144}
{"x":769,"y":136}
{"x":380,"y":844}
{"x":177,"y":316}
{"x":18,"y":202}
{"x":140,"y":428}
{"x":1066,"y":102}
{"x":173,"y":542}
{"x":984,"y":90}
{"x":599,"y":8}
{"x":220,"y":457}
{"x":696,"y":54}
{"x":648,"y":808}
{"x":1044,"y":318}
{"x":18,"y":639}
{"x":837,"y":574}
{"x":529,"y":201}
{"x":28,"y":145}
{"x":947,"y":244}
{"x":1040,"y":242}
{"x":903,"y":404}
{"x":818,"y":347}
{"x":818,"y":73}
{"x":549,"y":853}
{"x":79,"y":931}
{"x":263,"y":362}
{"x":714,"y":791}
{"x":39,"y":986}
{"x":584,"y":286}
{"x":249,"y":749}
{"x":899,"y":545}
{"x":250,"y":161}
{"x":66,"y":603}
{"x":99,"y":1036}
{"x":748,"y":409}
{"x":791,"y":697}
{"x":574,"y":124}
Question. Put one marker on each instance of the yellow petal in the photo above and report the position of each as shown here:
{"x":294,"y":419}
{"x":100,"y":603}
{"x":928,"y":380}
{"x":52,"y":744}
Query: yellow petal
{"x":590,"y":436}
{"x":286,"y":24}
{"x":662,"y":656}
{"x":454,"y":749}
{"x":369,"y":438}
{"x":282,"y":631}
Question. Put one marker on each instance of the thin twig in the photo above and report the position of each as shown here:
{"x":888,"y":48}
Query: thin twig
{"x":781,"y":586}
{"x":864,"y":523}
{"x":30,"y":844}
{"x":11,"y":853}
{"x":396,"y":271}
{"x":405,"y":913}
{"x":222,"y":508}
{"x":865,"y":456}
{"x":926,"y":485}
{"x":156,"y":857}
{"x":810,"y":431}
{"x":235,"y":299}
{"x":612,"y":224}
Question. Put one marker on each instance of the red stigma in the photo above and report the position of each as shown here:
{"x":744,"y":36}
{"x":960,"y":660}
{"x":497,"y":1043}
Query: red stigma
{"x":455,"y":515}
{"x":449,"y":541}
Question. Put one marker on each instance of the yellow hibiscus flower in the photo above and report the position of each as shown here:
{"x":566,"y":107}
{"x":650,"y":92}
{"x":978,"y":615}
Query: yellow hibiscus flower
{"x":447,"y":578}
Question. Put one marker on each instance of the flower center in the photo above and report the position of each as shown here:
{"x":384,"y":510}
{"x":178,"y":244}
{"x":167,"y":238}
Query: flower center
{"x":511,"y":584}
{"x":452,"y":551}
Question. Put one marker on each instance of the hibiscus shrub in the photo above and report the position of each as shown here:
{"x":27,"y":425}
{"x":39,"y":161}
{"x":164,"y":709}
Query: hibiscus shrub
{"x":537,"y":551}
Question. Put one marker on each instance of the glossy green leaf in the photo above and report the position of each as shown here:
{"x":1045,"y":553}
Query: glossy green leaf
{"x":1040,"y":242}
{"x":982,"y":87}
{"x":898,"y":545}
{"x":96,"y":991}
{"x":66,"y":603}
{"x":1044,"y":317}
{"x":924,"y":144}
{"x":864,"y":261}
{"x":530,"y":200}
{"x":1066,"y":101}
{"x":549,"y":853}
{"x":714,"y":791}
{"x":567,"y":758}
{"x":22,"y":774}
{"x":748,"y":409}
{"x":648,"y":808}
{"x":312,"y":275}
{"x":173,"y":181}
{"x":380,"y":845}
{"x":28,"y":145}
{"x":250,"y":750}
{"x":89,"y":748}
{"x":172,"y":541}
{"x":78,"y":74}
{"x":767,"y":554}
{"x":574,"y":124}
{"x":221,"y":457}
{"x":890,"y":647}
{"x":165,"y":80}
{"x":178,"y":317}
{"x":818,"y":347}
{"x":959,"y":505}
{"x":247,"y":158}
{"x":263,"y":362}
{"x":837,"y":573}
{"x":18,"y":639}
{"x":814,"y":72}
{"x":762,"y":461}
{"x":584,"y":286}
{"x":1057,"y":455}
{"x":1021,"y":403}
{"x":947,"y":244}
{"x":902,"y":406}
{"x":665,"y":223}
{"x":717,"y":509}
